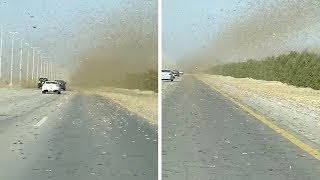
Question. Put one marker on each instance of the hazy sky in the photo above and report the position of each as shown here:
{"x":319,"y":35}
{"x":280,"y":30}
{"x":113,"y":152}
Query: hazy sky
{"x":238,"y":29}
{"x":59,"y":24}
{"x":188,"y":24}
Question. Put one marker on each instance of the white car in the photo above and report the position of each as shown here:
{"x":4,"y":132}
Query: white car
{"x":51,"y":87}
{"x":167,"y":74}
{"x":181,"y":72}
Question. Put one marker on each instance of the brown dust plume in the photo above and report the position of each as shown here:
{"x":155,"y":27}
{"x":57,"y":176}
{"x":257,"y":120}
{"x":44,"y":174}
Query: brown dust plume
{"x":125,"y":54}
{"x":266,"y":28}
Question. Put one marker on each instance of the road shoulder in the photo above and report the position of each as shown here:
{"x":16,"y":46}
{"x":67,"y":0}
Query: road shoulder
{"x":142,"y":103}
{"x":286,"y":120}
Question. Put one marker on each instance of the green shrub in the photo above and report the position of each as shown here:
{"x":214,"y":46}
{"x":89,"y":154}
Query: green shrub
{"x":301,"y":69}
{"x":143,"y":81}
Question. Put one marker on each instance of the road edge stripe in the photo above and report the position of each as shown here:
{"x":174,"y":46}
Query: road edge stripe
{"x":305,"y":147}
{"x":41,"y":121}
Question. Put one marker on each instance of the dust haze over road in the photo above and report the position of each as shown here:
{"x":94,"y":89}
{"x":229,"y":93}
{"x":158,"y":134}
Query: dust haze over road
{"x":209,"y":135}
{"x":86,"y":136}
{"x":263,"y":29}
{"x":127,"y":43}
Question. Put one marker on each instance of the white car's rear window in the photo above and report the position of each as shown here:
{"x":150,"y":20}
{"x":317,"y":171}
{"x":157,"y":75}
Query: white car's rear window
{"x":51,"y":82}
{"x":166,"y":71}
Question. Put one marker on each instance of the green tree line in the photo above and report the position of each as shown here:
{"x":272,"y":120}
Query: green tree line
{"x":143,"y":81}
{"x":301,"y":69}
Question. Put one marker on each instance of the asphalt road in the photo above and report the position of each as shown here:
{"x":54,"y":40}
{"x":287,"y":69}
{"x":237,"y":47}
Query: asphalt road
{"x":207,"y":137}
{"x":73,"y":137}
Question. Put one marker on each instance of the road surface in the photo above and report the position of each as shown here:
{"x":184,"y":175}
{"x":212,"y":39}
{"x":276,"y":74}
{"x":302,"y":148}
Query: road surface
{"x":72,"y":137}
{"x":205,"y":136}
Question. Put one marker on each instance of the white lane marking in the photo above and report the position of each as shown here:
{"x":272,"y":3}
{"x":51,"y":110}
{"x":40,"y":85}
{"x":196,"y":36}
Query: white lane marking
{"x":41,"y":121}
{"x":59,"y":104}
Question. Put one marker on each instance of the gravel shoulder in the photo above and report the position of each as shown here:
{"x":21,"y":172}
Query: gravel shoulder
{"x":169,"y":87}
{"x":142,"y":103}
{"x":296,"y":109}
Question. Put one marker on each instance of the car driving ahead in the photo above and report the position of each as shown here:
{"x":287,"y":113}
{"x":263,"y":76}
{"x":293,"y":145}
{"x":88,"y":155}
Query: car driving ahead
{"x":62,"y":83}
{"x":167,"y":74}
{"x":176,"y":73}
{"x":51,"y":87}
{"x":41,"y":82}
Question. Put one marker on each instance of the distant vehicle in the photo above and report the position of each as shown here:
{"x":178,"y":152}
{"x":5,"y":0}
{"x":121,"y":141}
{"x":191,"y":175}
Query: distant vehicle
{"x":180,"y":72}
{"x":167,"y":74}
{"x":62,"y":84}
{"x":41,"y":82}
{"x":51,"y":87}
{"x":176,"y":73}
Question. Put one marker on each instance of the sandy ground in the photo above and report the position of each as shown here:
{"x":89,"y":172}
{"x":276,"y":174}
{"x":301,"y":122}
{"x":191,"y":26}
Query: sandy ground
{"x":297,"y":109}
{"x":142,"y":103}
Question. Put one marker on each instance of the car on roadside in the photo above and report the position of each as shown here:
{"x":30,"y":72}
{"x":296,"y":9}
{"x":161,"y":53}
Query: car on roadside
{"x":51,"y":87}
{"x":41,"y":81}
{"x":181,"y":73}
{"x":167,"y":74}
{"x":176,"y":73}
{"x":62,"y":84}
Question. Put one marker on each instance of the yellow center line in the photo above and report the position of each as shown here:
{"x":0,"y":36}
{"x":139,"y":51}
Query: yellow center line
{"x":305,"y":147}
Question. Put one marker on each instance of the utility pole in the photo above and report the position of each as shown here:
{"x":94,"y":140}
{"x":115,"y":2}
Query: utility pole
{"x":41,"y":70}
{"x":51,"y":70}
{"x":37,"y":71}
{"x":38,"y":68}
{"x":20,"y":70}
{"x":1,"y":34}
{"x":44,"y":69}
{"x":44,"y":66}
{"x":28,"y":63}
{"x":11,"y":67}
{"x":48,"y":64}
{"x":33,"y":48}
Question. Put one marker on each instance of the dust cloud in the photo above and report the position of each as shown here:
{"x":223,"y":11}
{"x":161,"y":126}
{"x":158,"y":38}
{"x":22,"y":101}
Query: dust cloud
{"x":125,"y":46}
{"x":266,"y":28}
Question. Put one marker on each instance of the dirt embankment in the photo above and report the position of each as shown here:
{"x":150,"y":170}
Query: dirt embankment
{"x":297,"y":109}
{"x":142,"y":103}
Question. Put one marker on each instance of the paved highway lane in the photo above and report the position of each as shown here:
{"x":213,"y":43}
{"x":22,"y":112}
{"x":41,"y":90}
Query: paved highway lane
{"x":74,"y":136}
{"x":205,"y":136}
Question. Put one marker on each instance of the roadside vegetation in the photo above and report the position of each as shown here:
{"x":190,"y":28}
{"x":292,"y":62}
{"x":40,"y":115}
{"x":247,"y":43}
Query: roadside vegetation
{"x":300,"y":69}
{"x":143,"y":81}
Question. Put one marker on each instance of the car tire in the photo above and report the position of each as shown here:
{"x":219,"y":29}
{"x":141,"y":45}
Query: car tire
{"x":43,"y":92}
{"x":171,"y":80}
{"x":58,"y":92}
